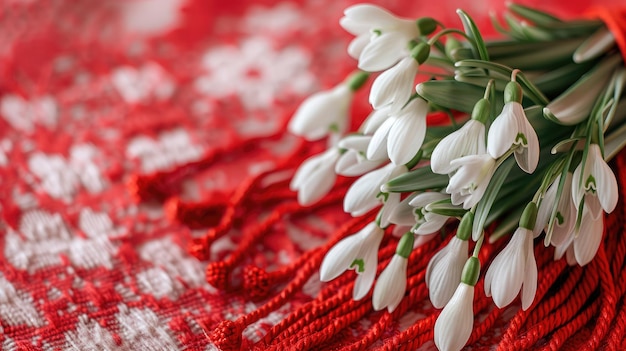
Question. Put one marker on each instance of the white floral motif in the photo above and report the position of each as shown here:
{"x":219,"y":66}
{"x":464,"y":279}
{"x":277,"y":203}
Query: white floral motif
{"x":16,"y":307}
{"x":47,"y":237}
{"x":89,"y":334}
{"x":171,"y":148}
{"x":62,"y":178}
{"x":255,"y":72}
{"x":143,"y":329}
{"x":143,"y":83}
{"x":24,"y":114}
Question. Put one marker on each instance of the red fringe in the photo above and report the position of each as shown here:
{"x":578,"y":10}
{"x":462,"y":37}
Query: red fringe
{"x":581,"y":308}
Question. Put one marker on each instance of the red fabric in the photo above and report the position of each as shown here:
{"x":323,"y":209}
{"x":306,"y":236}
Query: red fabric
{"x":108,"y":188}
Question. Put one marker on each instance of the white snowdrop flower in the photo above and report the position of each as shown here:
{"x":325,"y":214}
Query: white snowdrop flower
{"x":407,"y":133}
{"x":468,"y":184}
{"x":565,"y":215}
{"x":512,"y":129}
{"x":358,"y":251}
{"x":322,"y":113}
{"x":391,"y":285}
{"x":454,"y":325}
{"x":315,"y":177}
{"x":352,"y":161}
{"x":588,"y":239}
{"x":363,"y":194}
{"x":381,"y":37}
{"x":596,"y":183}
{"x":443,"y":273}
{"x":515,"y":268}
{"x":383,"y":51}
{"x":468,"y":140}
{"x":394,"y":86}
{"x":427,"y":222}
{"x":445,"y":268}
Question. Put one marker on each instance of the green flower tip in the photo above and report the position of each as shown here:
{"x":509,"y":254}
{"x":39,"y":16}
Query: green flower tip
{"x":405,"y":245}
{"x":426,"y":25}
{"x":471,"y":271}
{"x":529,"y":216}
{"x":513,"y":92}
{"x":357,"y":79}
{"x":420,"y":52}
{"x":481,"y":111}
{"x":464,"y":231}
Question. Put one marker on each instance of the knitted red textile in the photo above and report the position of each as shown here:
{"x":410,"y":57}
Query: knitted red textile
{"x":144,"y":201}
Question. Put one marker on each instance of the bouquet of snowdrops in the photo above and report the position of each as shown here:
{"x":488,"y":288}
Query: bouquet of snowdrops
{"x":533,"y":119}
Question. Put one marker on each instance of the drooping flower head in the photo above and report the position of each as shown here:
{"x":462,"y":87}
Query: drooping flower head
{"x":391,"y":284}
{"x":468,"y":184}
{"x":359,"y":252}
{"x":443,"y":273}
{"x":515,"y":268}
{"x":315,"y":177}
{"x":454,"y":325}
{"x":511,"y":129}
{"x":468,"y":140}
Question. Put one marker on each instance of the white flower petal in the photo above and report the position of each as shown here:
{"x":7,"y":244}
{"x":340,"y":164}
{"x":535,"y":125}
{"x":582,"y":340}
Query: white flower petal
{"x":508,"y":269}
{"x":391,"y":285}
{"x":504,"y":129}
{"x":589,"y":237}
{"x":443,"y":273}
{"x":377,"y":149}
{"x":607,"y":191}
{"x":454,"y":325}
{"x":315,"y":116}
{"x":468,"y":140}
{"x":407,"y":133}
{"x":393,"y":200}
{"x":395,"y":85}
{"x":364,"y":280}
{"x":354,"y":27}
{"x":356,"y":46}
{"x":529,"y":287}
{"x":352,"y":164}
{"x":376,"y":16}
{"x":375,"y":120}
{"x":383,"y":51}
{"x":362,"y":194}
{"x":527,"y":157}
{"x":339,"y":258}
{"x":315,"y":177}
{"x":403,"y":213}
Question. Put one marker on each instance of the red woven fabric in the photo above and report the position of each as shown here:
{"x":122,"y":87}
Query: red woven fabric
{"x":142,"y":157}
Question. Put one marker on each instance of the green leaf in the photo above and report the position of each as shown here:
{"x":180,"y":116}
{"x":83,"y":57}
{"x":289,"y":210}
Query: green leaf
{"x":445,"y":208}
{"x":484,"y":205}
{"x":451,"y":94}
{"x":478,"y":44}
{"x":417,"y":180}
{"x":539,"y":18}
{"x":529,"y":88}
